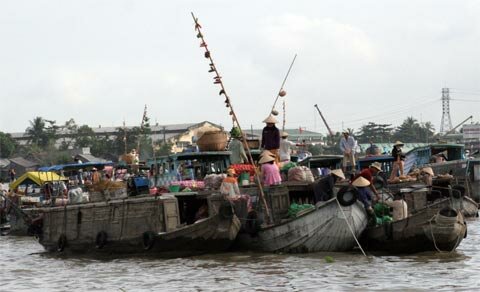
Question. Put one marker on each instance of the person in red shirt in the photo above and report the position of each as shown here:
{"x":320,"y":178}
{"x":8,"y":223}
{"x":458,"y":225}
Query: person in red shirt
{"x":368,"y":174}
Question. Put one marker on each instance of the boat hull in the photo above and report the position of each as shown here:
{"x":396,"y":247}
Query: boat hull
{"x":420,"y":232}
{"x":323,"y":229}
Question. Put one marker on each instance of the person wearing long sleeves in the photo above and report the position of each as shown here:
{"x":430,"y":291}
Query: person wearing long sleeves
{"x":347,"y":146}
{"x":271,"y":137}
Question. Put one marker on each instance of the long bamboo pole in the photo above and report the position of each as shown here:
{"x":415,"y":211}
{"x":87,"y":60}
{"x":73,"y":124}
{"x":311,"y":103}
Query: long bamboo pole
{"x":283,"y":83}
{"x":228,"y":104}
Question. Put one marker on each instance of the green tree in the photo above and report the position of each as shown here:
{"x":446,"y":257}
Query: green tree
{"x":84,"y":137}
{"x":410,"y":131}
{"x":36,"y":132}
{"x":7,"y":145}
{"x":372,"y":132}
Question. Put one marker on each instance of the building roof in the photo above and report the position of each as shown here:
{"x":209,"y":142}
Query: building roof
{"x":23,"y":162}
{"x":4,"y":162}
{"x":293,"y":134}
{"x":89,"y":158}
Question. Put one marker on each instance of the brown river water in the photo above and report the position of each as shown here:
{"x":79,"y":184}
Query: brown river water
{"x":25,"y":267}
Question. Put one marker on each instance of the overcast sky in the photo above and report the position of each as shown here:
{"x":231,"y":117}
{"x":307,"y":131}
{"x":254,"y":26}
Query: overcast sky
{"x":99,"y":62}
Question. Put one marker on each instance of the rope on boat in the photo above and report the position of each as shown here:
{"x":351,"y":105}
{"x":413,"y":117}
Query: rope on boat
{"x":350,"y":227}
{"x":434,"y":241}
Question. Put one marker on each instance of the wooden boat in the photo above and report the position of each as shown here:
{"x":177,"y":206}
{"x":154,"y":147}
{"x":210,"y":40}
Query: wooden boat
{"x":143,"y":224}
{"x":325,"y":227}
{"x":426,"y":230}
{"x":418,"y":196}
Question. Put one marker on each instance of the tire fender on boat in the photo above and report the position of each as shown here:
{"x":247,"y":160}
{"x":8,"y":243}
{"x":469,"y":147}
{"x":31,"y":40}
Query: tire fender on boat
{"x":148,"y":240}
{"x":101,"y":240}
{"x":347,"y":195}
{"x":226,"y":210}
{"x":252,"y":224}
{"x":61,"y":243}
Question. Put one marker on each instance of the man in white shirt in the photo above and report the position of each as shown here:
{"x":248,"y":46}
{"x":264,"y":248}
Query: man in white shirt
{"x":286,"y":147}
{"x":399,"y":206}
{"x":347,"y":146}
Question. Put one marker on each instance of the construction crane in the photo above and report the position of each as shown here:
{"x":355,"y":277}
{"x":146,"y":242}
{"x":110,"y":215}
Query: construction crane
{"x":453,"y":129}
{"x":330,"y":132}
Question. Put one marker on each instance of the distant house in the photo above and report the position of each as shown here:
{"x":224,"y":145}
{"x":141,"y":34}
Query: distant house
{"x":21,"y":165}
{"x":84,"y":155}
{"x":4,"y":169}
{"x":295,"y":135}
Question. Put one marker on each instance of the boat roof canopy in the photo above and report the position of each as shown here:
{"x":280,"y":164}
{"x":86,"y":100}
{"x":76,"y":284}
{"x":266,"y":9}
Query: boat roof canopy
{"x":36,"y":178}
{"x":74,"y":166}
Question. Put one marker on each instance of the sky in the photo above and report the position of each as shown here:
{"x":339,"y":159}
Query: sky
{"x":101,"y":61}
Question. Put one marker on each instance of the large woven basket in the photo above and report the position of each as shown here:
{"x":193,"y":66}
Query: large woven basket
{"x":213,"y":141}
{"x":253,"y":143}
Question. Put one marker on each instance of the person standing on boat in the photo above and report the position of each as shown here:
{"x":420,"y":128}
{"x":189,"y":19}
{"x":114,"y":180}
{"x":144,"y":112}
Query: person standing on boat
{"x":271,"y":137}
{"x":286,"y":147}
{"x":237,"y":155}
{"x":229,"y":186}
{"x":368,"y":174}
{"x":398,"y":160}
{"x":347,"y":146}
{"x":270,"y":171}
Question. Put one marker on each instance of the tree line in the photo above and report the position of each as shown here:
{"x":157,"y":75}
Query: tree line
{"x":49,"y":143}
{"x":410,"y":131}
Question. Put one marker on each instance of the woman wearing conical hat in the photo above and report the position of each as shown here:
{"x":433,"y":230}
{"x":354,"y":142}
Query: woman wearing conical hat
{"x":271,"y":136}
{"x":270,"y":171}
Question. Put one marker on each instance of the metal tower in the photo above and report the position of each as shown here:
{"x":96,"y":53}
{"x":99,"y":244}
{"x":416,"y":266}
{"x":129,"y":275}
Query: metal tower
{"x":446,"y":124}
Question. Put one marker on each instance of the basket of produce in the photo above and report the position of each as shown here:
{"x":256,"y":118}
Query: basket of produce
{"x":213,"y":141}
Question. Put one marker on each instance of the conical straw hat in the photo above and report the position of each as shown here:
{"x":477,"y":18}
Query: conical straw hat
{"x":266,"y":153}
{"x":361,"y":182}
{"x":398,"y":143}
{"x":339,"y":173}
{"x":265,"y":159}
{"x":270,"y":120}
{"x":377,"y":165}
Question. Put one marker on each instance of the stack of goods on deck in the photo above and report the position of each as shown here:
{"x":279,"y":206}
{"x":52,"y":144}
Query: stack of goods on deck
{"x":411,"y":177}
{"x":187,"y":185}
{"x":300,"y":174}
{"x":213,"y":181}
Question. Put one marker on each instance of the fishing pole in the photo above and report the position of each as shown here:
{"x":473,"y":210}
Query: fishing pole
{"x":228,"y":104}
{"x":281,"y":92}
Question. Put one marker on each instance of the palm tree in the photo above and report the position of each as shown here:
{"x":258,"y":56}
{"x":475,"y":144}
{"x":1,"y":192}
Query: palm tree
{"x":36,"y":132}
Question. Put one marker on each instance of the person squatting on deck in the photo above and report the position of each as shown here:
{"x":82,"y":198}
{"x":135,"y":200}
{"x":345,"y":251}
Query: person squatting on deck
{"x":323,"y":189}
{"x":399,"y":207}
{"x":369,"y":173}
{"x":364,"y":195}
{"x":271,"y":137}
{"x":347,"y":146}
{"x":286,"y":148}
{"x":269,"y":169}
{"x":398,"y":162}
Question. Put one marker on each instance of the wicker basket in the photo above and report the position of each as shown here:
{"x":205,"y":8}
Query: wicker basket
{"x":213,"y":141}
{"x":253,"y":143}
